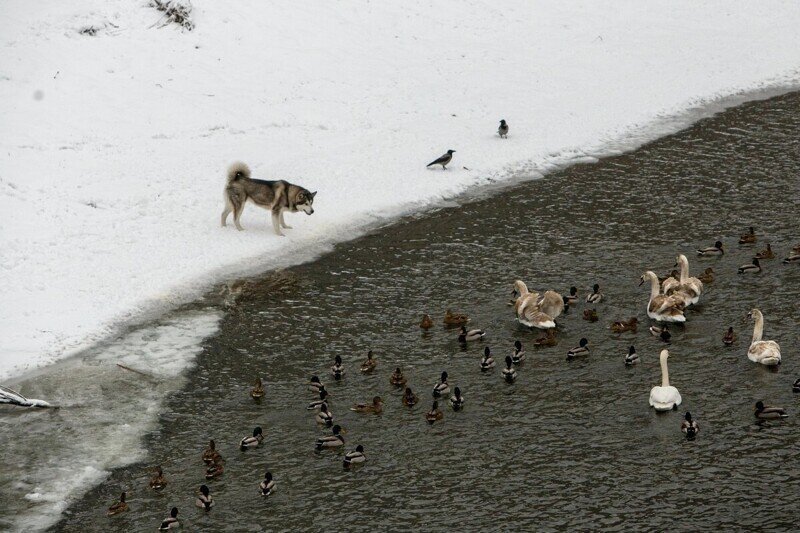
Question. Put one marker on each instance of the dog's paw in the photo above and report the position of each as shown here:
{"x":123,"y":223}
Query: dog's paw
{"x":288,"y":227}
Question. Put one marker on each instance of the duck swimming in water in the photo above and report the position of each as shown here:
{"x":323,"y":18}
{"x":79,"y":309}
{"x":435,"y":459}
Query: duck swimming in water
{"x":215,"y":469}
{"x":337,"y":370}
{"x":426,"y":322}
{"x":509,"y":372}
{"x":324,"y":416}
{"x":595,"y":297}
{"x":334,"y":440}
{"x":254,"y":441}
{"x":409,"y":398}
{"x":518,"y":357}
{"x":434,"y":414}
{"x":661,"y":332}
{"x":204,"y":499}
{"x":766,"y":253}
{"x":769,"y":413}
{"x":470,"y":336}
{"x":258,"y":390}
{"x":314,"y":385}
{"x":689,"y":426}
{"x":590,"y":315}
{"x":455,"y":319}
{"x":548,"y":338}
{"x":158,"y":481}
{"x":487,"y":362}
{"x":753,"y":268}
{"x":376,"y":407}
{"x":749,"y":237}
{"x":397,"y":379}
{"x":317,"y":404}
{"x":632,"y":358}
{"x":210,"y":454}
{"x":370,"y":364}
{"x":119,"y":507}
{"x":713,"y":251}
{"x":171,"y":522}
{"x":441,"y":388}
{"x":622,"y":326}
{"x":355,"y":457}
{"x":793,"y":257}
{"x":456,"y":400}
{"x":572,"y":298}
{"x":707,"y":276}
{"x":729,"y":337}
{"x":267,"y":486}
{"x":796,"y":385}
{"x":580,"y":350}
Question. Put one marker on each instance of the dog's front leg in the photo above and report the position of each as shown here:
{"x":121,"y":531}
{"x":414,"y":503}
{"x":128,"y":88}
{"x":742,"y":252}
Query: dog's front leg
{"x":283,"y":222}
{"x":276,"y":222}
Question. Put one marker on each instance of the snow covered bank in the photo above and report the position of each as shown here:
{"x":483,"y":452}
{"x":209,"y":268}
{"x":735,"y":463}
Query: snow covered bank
{"x":114,"y":145}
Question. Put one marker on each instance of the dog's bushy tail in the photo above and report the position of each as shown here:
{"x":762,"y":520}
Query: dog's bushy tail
{"x":238,"y":170}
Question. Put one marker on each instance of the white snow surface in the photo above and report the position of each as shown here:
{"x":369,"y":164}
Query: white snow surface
{"x":113,"y":147}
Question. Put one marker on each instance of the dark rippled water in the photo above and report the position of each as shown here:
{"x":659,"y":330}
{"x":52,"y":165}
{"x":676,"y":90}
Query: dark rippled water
{"x":570,"y":445}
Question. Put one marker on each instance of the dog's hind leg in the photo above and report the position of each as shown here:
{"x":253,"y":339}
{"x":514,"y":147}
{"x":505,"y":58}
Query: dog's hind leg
{"x":225,"y":213}
{"x":238,"y":207}
{"x":283,"y":222}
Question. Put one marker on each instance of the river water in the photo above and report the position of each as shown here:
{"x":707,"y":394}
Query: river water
{"x":569,"y":445}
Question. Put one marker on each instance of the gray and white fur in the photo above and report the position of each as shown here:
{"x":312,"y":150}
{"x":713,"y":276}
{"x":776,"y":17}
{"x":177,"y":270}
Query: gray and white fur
{"x":277,"y":196}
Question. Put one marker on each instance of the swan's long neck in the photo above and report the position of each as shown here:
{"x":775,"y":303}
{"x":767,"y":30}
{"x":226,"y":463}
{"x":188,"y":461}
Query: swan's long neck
{"x":758,"y":329}
{"x":521,"y":288}
{"x":684,"y":269}
{"x":664,"y":371}
{"x":655,"y":288}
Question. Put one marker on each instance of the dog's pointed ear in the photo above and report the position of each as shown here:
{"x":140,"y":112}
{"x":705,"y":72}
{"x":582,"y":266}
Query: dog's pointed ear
{"x":313,"y":194}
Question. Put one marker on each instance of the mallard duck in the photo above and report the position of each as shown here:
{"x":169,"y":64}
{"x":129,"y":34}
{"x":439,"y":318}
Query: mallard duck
{"x":470,"y":336}
{"x":707,"y":276}
{"x":487,"y":362}
{"x":796,"y":385}
{"x":712,"y":251}
{"x":632,"y":358}
{"x":749,"y":237}
{"x":267,"y":486}
{"x":215,"y":469}
{"x":581,"y":349}
{"x":590,"y":315}
{"x":509,"y":372}
{"x":355,"y":457}
{"x":441,"y":388}
{"x":171,"y":521}
{"x":426,"y":322}
{"x":337,"y":370}
{"x":324,"y":416}
{"x":376,"y":407}
{"x":118,"y":507}
{"x":764,"y":352}
{"x":573,"y":296}
{"x":334,"y":440}
{"x":254,"y":441}
{"x":370,"y":363}
{"x":595,"y":297}
{"x":318,"y":403}
{"x":204,"y":499}
{"x":434,"y":414}
{"x":729,"y":337}
{"x":766,"y":253}
{"x":210,"y":453}
{"x":689,"y":426}
{"x":258,"y":391}
{"x":794,"y":257}
{"x":754,"y":267}
{"x":409,"y":398}
{"x":662,"y":307}
{"x":397,"y":379}
{"x":158,"y":481}
{"x":548,"y":338}
{"x":661,"y":332}
{"x":456,"y":400}
{"x":664,"y":397}
{"x":766,"y":413}
{"x":519,"y":353}
{"x":622,"y":326}
{"x":314,"y":385}
{"x":455,"y":319}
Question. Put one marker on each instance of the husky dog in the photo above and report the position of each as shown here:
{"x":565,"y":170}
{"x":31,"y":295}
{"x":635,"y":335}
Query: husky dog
{"x":277,"y":196}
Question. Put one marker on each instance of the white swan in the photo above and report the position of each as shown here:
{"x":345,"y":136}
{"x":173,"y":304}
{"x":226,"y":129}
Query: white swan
{"x":688,"y":288}
{"x":666,"y":397}
{"x":661,"y":307}
{"x":532,"y":310}
{"x":764,"y":352}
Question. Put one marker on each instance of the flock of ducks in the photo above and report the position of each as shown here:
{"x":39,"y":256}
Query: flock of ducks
{"x":669,"y":299}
